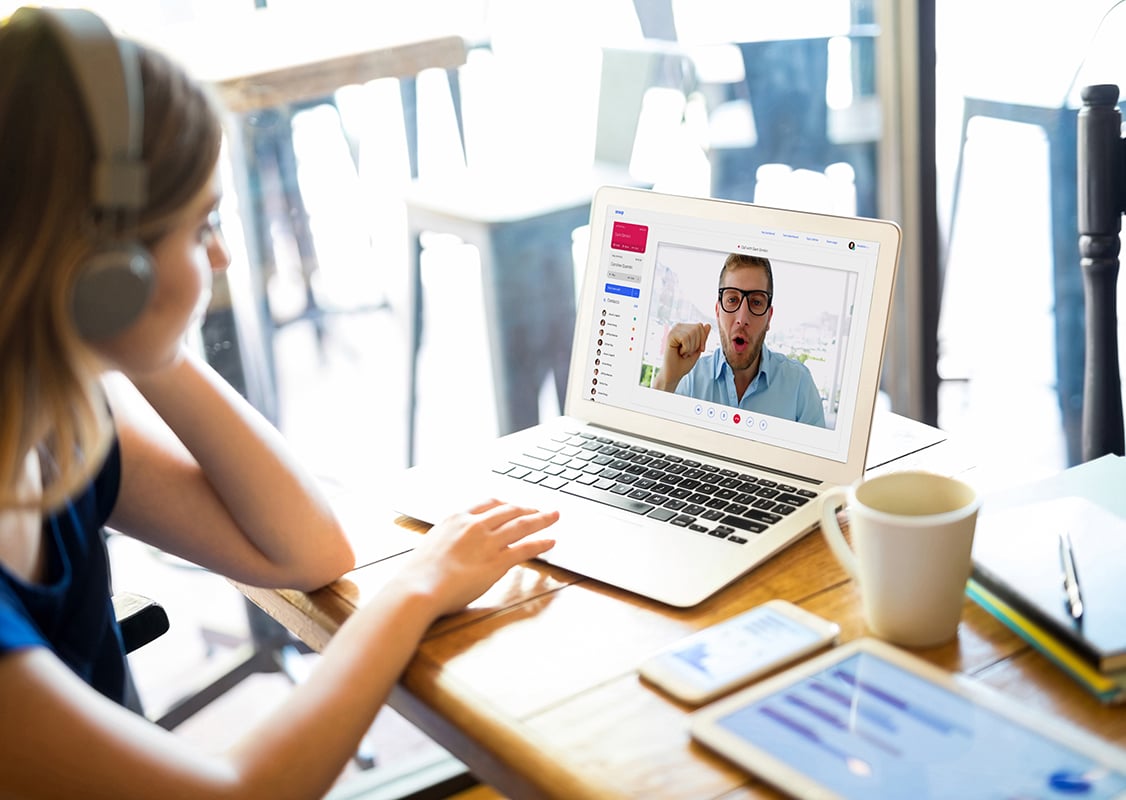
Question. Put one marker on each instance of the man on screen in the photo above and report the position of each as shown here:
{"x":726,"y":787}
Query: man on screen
{"x":741,"y":373}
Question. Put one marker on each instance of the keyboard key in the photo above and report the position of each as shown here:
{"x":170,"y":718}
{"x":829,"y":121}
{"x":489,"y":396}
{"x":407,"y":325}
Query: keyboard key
{"x":609,"y":498}
{"x":744,"y":524}
{"x":762,"y":516}
{"x":662,"y":514}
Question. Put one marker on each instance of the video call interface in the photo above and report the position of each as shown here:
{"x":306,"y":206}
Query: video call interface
{"x":657,"y":270}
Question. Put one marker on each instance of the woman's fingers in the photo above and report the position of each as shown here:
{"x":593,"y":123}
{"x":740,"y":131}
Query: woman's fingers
{"x":484,"y":506}
{"x":497,"y":527}
{"x":513,"y":523}
{"x":529,"y":549}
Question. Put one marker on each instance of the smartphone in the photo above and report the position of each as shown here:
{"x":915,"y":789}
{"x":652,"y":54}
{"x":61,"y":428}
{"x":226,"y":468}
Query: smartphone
{"x":729,"y":654}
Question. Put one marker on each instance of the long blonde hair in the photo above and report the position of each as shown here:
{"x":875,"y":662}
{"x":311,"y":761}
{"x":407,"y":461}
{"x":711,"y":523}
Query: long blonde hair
{"x":50,"y":396}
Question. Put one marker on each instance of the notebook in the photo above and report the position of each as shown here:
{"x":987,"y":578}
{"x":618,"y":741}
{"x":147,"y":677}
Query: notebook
{"x":1018,"y":556}
{"x":665,"y":495}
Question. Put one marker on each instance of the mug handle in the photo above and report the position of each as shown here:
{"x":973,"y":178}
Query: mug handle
{"x":830,"y":501}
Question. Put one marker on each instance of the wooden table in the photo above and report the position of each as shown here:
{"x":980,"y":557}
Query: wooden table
{"x":535,"y":687}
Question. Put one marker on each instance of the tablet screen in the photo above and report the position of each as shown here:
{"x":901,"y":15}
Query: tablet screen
{"x":866,"y":728}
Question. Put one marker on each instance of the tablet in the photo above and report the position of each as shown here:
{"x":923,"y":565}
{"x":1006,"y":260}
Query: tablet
{"x":868,"y":720}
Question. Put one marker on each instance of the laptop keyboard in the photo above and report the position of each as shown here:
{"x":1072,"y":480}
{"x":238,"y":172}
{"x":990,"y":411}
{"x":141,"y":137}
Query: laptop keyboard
{"x":682,"y":492}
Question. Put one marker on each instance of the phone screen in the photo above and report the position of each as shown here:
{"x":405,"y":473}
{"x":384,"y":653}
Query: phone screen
{"x":731,"y":650}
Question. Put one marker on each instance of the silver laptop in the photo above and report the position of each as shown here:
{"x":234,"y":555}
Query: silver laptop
{"x":675,"y":492}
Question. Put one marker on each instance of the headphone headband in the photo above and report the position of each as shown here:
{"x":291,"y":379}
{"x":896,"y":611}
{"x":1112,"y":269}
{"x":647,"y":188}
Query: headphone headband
{"x":114,"y":285}
{"x":109,"y":78}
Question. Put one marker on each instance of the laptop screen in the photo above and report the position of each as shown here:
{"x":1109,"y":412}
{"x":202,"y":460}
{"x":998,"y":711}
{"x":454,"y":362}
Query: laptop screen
{"x":744,"y":322}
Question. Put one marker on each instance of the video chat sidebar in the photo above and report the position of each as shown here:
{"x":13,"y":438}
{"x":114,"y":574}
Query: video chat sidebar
{"x":617,"y":334}
{"x":617,"y":329}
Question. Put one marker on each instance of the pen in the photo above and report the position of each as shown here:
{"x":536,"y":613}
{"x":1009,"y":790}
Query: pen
{"x":1070,"y":577}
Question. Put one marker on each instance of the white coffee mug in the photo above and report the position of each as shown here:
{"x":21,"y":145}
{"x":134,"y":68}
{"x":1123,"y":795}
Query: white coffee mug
{"x":913,"y":534}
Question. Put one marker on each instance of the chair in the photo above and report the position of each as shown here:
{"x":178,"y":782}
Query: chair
{"x":787,"y":119}
{"x":524,"y":233}
{"x":1058,"y":123}
{"x":1101,"y":191}
{"x":140,"y":618}
{"x":278,"y":205}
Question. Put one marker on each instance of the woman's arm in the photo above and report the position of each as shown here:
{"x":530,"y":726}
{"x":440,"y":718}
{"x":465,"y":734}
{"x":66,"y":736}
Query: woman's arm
{"x":61,"y":739}
{"x":206,"y":477}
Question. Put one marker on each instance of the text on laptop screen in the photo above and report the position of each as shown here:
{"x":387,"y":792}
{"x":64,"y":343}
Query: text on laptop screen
{"x":793,"y":302}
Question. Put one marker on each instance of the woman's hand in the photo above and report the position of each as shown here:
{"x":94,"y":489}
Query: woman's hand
{"x":465,"y":554}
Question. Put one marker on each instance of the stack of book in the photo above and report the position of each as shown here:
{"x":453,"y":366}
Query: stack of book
{"x":1049,"y":561}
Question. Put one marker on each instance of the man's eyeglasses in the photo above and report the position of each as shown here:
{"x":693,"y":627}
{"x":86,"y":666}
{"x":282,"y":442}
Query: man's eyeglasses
{"x":758,"y":301}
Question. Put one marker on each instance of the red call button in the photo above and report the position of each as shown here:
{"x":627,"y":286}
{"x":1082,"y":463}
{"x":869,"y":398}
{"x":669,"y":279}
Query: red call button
{"x":736,"y":419}
{"x":627,"y":236}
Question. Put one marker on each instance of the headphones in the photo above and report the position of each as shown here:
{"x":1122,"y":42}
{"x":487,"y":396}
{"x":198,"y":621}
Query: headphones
{"x":115,"y":283}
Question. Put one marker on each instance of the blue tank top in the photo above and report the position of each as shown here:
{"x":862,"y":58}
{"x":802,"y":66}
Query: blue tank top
{"x":71,"y":612}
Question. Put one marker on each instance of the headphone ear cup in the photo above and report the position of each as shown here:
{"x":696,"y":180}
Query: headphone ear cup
{"x":112,"y":290}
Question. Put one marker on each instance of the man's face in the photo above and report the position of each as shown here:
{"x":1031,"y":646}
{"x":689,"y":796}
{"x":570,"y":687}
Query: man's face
{"x":741,"y":333}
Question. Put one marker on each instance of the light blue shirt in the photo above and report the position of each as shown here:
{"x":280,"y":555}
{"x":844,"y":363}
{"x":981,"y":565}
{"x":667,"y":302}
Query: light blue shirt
{"x":783,"y":387}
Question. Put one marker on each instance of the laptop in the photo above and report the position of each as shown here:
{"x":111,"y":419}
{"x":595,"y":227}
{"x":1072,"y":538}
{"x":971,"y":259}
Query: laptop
{"x":662,"y":494}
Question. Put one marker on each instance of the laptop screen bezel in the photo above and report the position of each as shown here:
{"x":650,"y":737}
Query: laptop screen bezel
{"x":887,"y":235}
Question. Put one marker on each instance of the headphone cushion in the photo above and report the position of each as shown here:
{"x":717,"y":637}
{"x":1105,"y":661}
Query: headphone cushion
{"x":112,"y":290}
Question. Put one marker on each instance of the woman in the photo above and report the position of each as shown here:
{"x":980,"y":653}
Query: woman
{"x":133,"y":431}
